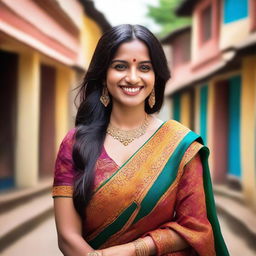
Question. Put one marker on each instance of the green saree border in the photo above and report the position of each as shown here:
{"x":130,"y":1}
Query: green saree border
{"x":113,"y":227}
{"x":166,"y":178}
{"x":220,"y":246}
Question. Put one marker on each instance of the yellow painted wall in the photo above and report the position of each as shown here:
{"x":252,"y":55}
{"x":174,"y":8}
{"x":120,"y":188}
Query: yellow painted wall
{"x":248,"y":137}
{"x":210,"y":131}
{"x":197,"y":109}
{"x":27,"y":120}
{"x":90,"y":35}
{"x":64,"y":80}
{"x":185,"y":109}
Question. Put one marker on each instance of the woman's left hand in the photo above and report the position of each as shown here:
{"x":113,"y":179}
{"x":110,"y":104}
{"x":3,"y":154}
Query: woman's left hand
{"x":120,"y":250}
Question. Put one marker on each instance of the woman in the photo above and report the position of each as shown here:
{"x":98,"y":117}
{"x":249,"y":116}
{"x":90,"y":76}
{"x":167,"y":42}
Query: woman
{"x":127,"y":183}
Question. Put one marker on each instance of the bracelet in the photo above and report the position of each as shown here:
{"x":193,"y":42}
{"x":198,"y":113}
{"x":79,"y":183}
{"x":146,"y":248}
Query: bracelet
{"x":141,"y":248}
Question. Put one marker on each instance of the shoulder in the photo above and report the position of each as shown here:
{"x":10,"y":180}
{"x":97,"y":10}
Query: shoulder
{"x":69,"y":136}
{"x":185,"y":138}
{"x":177,"y":126}
{"x":68,"y":141}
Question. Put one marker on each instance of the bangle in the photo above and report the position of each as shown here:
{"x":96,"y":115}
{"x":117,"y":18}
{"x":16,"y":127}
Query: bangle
{"x":141,"y":248}
{"x":94,"y":253}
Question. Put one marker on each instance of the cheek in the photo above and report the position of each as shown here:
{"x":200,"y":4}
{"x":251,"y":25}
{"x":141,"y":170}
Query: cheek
{"x":113,"y":77}
{"x":150,"y":79}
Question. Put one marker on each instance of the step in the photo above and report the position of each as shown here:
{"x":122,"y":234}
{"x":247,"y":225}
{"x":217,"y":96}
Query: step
{"x":14,"y":197}
{"x":20,"y":219}
{"x":225,"y":191}
{"x":238,"y":212}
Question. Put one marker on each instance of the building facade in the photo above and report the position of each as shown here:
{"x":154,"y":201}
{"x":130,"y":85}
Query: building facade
{"x":213,"y":85}
{"x":45,"y":47}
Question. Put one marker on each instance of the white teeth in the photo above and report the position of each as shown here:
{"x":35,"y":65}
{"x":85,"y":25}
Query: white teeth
{"x":128,"y":89}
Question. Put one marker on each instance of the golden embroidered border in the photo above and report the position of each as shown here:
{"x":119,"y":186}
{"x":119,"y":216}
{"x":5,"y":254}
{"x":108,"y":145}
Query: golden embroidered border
{"x":62,"y":191}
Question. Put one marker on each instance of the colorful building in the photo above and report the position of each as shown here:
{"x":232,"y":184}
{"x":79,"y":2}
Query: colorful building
{"x":213,"y":85}
{"x":45,"y":47}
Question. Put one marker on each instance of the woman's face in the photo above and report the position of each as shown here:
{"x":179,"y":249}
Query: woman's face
{"x":130,"y":76}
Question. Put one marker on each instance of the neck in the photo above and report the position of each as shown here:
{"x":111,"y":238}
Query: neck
{"x":127,"y":118}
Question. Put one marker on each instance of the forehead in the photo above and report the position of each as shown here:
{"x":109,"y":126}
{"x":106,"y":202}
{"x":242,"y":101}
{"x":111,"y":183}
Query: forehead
{"x":132,"y":50}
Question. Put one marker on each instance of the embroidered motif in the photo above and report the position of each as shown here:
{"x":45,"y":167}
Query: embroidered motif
{"x":163,"y":240}
{"x":62,"y":191}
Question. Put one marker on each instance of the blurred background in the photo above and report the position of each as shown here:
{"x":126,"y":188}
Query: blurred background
{"x":46,"y":47}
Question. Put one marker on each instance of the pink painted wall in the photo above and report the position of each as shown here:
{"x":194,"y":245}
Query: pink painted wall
{"x":252,"y":7}
{"x":220,"y":129}
{"x":29,"y":18}
{"x":209,"y":49}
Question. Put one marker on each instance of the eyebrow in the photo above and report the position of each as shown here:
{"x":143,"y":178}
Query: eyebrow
{"x":124,"y":61}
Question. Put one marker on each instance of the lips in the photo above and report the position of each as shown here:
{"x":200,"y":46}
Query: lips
{"x":131,"y":90}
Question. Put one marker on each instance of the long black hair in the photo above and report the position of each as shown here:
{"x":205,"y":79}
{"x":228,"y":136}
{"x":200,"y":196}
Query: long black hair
{"x":92,"y":117}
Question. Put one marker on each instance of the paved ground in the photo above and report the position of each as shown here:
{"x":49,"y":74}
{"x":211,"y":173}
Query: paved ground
{"x":236,"y":245}
{"x":42,"y":241}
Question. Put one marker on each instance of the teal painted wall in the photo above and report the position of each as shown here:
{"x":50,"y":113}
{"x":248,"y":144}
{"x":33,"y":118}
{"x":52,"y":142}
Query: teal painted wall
{"x":234,"y":154}
{"x":203,"y":112}
{"x":176,"y":107}
{"x":6,"y":183}
{"x":235,"y":10}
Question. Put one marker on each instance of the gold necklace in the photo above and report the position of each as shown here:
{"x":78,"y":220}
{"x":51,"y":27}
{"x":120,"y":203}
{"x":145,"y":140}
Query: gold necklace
{"x":126,"y":137}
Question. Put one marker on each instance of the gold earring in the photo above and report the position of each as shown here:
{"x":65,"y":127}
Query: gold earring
{"x":152,"y":99}
{"x":104,"y":98}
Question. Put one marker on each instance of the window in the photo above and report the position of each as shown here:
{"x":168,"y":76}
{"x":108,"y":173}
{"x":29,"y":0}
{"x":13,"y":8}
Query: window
{"x":182,"y":49}
{"x":207,"y":23}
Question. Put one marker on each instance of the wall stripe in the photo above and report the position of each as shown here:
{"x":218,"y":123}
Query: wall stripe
{"x":176,"y":107}
{"x":234,"y":156}
{"x":203,"y":112}
{"x":185,"y":117}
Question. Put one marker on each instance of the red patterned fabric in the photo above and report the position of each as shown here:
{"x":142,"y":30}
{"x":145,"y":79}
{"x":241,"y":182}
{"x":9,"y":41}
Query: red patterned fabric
{"x":65,"y":170}
{"x":190,"y":216}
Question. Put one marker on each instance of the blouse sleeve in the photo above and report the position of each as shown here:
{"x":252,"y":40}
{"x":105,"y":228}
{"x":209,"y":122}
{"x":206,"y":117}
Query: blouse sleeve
{"x":64,"y":168}
{"x":191,"y":220}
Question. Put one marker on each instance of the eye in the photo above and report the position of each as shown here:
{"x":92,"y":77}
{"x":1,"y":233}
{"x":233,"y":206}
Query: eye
{"x":120,"y":67}
{"x":145,"y":68}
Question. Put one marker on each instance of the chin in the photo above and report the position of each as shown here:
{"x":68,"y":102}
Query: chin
{"x":132,"y":104}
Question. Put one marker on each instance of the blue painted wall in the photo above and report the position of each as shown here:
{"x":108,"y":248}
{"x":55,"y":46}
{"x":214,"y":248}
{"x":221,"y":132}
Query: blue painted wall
{"x":176,"y":107}
{"x":235,"y":10}
{"x":203,"y":112}
{"x":234,"y":156}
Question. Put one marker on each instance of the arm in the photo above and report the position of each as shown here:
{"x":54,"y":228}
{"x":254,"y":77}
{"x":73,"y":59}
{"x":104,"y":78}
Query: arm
{"x":68,"y":224}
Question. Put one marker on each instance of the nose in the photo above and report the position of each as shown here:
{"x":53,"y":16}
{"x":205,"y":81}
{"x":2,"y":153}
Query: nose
{"x":132,"y":77}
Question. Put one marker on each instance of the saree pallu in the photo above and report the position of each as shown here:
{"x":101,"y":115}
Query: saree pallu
{"x":165,"y":185}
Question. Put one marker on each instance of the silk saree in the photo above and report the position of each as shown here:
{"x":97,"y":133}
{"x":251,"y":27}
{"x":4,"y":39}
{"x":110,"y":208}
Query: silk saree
{"x":165,"y":185}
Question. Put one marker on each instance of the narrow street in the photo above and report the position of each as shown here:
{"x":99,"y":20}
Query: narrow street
{"x":43,"y":241}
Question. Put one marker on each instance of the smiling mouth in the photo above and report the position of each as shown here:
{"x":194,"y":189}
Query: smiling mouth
{"x":131,"y":89}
